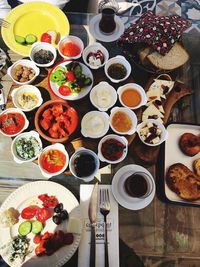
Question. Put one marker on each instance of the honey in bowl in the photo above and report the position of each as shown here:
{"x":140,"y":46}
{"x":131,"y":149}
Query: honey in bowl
{"x":131,"y":97}
{"x":121,"y":122}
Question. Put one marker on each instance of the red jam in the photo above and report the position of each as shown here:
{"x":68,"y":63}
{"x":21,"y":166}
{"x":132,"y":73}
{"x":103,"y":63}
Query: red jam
{"x":112,"y":149}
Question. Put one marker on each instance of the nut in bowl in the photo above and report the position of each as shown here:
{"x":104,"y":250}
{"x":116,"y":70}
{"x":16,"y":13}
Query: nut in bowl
{"x":70,"y":47}
{"x":26,"y":97}
{"x":152,"y":132}
{"x":95,"y":56}
{"x":103,"y":96}
{"x":112,"y":148}
{"x":26,"y":147}
{"x":53,"y":160}
{"x":123,"y":121}
{"x":132,"y":95}
{"x":117,"y":69}
{"x":23,"y":71}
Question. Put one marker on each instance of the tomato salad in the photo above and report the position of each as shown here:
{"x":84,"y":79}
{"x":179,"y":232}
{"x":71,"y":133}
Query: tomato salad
{"x":12,"y":123}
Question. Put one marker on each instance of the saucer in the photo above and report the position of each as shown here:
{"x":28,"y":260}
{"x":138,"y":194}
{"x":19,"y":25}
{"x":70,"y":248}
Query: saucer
{"x":97,"y":34}
{"x":121,"y":196}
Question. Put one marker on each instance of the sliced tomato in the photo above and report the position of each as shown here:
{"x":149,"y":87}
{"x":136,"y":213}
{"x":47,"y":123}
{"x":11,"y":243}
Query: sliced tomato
{"x":43,"y":215}
{"x":37,"y":239}
{"x":70,"y":76}
{"x":46,"y":38}
{"x":29,"y":212}
{"x":64,"y":90}
{"x":48,"y":201}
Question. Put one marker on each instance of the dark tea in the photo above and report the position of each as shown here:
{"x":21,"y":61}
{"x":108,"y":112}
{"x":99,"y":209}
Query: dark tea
{"x":136,"y":185}
{"x":107,"y":23}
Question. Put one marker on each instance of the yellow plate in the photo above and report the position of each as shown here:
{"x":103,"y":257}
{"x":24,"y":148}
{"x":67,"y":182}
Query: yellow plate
{"x":33,"y":18}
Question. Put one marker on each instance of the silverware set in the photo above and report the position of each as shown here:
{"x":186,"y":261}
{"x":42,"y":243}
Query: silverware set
{"x":4,"y":23}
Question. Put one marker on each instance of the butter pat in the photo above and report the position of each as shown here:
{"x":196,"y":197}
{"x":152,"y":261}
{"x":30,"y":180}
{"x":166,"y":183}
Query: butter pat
{"x":74,"y":226}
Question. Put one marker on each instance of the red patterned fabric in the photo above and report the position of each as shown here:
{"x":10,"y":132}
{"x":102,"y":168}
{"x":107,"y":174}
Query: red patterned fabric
{"x":157,"y":31}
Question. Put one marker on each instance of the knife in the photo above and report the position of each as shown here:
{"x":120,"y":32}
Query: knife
{"x":2,"y":99}
{"x":92,"y":214}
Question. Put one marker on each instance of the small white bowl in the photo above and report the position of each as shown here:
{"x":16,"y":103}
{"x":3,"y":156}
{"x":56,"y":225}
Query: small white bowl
{"x":95,"y":124}
{"x":56,"y":146}
{"x":121,"y":60}
{"x":99,"y":96}
{"x":74,"y":39}
{"x":16,"y":157}
{"x":121,"y":139}
{"x":46,"y":46}
{"x":94,"y":48}
{"x":131,"y":115}
{"x":15,"y":110}
{"x":26,"y":63}
{"x":78,"y":152}
{"x":163,"y":136}
{"x":136,"y":87}
{"x":23,"y":89}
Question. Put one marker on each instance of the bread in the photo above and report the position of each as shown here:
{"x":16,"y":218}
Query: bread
{"x":189,"y":144}
{"x":196,"y":166}
{"x":176,"y":57}
{"x":143,"y":53}
{"x":184,"y":182}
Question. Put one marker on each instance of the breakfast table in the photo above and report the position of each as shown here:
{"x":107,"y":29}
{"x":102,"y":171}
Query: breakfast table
{"x":161,"y":234}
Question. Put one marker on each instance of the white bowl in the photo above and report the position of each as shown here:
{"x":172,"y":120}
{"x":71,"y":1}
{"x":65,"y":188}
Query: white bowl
{"x":131,"y":115}
{"x":163,"y":136}
{"x":23,"y":89}
{"x":120,"y":60}
{"x":16,"y":157}
{"x":15,"y":110}
{"x":136,"y":87}
{"x":95,"y":124}
{"x":74,"y":39}
{"x":121,"y":139}
{"x":26,"y":63}
{"x":94,"y":48}
{"x":59,"y":147}
{"x":78,"y":152}
{"x":103,"y":96}
{"x":46,"y":46}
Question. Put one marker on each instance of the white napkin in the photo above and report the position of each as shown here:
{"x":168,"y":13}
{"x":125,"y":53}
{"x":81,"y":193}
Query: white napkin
{"x":4,"y":8}
{"x":113,"y":231}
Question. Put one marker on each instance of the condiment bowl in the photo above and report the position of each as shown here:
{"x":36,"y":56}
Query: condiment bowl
{"x":25,"y":63}
{"x":98,"y":50}
{"x":117,"y":144}
{"x":71,"y":39}
{"x":26,"y":135}
{"x":103,"y":96}
{"x":143,"y":128}
{"x":36,"y":47}
{"x":17,"y":97}
{"x":81,"y":152}
{"x":136,"y":94}
{"x":23,"y":124}
{"x":127,"y":114}
{"x":118,"y":60}
{"x":50,"y":172}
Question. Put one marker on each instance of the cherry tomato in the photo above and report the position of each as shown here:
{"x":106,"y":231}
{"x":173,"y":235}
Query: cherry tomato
{"x":70,"y":76}
{"x":37,"y":239}
{"x":48,"y":201}
{"x":46,"y":38}
{"x":43,"y":215}
{"x":29,"y":212}
{"x":64,"y":90}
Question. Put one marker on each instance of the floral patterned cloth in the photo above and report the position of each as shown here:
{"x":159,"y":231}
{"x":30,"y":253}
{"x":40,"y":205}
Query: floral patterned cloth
{"x":157,"y":31}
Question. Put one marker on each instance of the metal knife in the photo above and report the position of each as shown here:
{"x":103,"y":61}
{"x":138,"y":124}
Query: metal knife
{"x":92,"y":213}
{"x":2,"y":100}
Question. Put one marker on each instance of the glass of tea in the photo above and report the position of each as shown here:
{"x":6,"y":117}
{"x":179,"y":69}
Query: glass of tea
{"x":138,"y":185}
{"x":108,"y":10}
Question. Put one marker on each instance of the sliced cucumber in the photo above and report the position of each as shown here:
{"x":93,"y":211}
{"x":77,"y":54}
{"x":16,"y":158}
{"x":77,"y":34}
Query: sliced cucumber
{"x":20,"y":39}
{"x":31,"y":38}
{"x":24,"y":228}
{"x":37,"y":227}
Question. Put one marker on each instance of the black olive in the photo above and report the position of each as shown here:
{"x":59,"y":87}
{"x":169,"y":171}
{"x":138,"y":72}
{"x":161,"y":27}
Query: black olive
{"x":64,"y":215}
{"x":58,"y":208}
{"x":57,"y":219}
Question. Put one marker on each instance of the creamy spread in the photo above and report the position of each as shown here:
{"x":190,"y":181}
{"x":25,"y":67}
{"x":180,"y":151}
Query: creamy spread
{"x":94,"y":125}
{"x":27,"y":100}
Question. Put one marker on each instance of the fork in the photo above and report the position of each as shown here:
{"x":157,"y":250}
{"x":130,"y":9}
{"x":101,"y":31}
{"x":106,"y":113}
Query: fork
{"x":4,"y":23}
{"x":105,"y":209}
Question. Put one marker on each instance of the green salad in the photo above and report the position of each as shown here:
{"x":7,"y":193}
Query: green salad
{"x":27,"y":147}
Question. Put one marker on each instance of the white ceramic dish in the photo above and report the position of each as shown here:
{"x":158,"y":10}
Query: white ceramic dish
{"x":121,"y":139}
{"x":74,"y":39}
{"x":120,"y":60}
{"x":94,"y":48}
{"x":26,"y":63}
{"x":59,"y":147}
{"x":23,"y":89}
{"x":16,"y":157}
{"x":95,"y":124}
{"x":103,"y":96}
{"x":46,"y":46}
{"x":132,"y":116}
{"x":136,"y":87}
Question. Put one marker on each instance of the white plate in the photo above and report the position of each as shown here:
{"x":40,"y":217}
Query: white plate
{"x":121,"y":196}
{"x":94,"y":29}
{"x":84,"y":91}
{"x":26,"y":195}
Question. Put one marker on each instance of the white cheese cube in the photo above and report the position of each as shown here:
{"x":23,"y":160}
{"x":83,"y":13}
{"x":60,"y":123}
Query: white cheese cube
{"x":74,"y":225}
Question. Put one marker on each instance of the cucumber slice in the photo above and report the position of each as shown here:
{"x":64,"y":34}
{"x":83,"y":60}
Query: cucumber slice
{"x":24,"y":228}
{"x":31,"y":38}
{"x":20,"y":39}
{"x":37,"y":227}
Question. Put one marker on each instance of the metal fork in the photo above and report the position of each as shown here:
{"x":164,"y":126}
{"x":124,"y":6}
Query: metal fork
{"x":105,"y":209}
{"x":4,"y":23}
